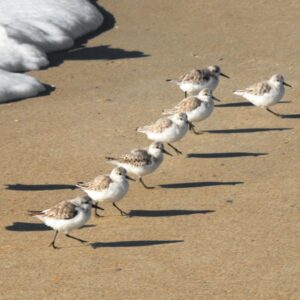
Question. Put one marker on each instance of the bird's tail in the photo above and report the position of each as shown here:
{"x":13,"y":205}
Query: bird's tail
{"x":239,"y":92}
{"x":111,"y":160}
{"x":34,"y":213}
{"x":80,"y":184}
{"x":168,"y":112}
{"x":172,"y":81}
{"x":142,"y":129}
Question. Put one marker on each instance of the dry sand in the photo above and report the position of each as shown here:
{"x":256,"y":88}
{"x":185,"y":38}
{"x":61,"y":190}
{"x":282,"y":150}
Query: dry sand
{"x":224,"y":223}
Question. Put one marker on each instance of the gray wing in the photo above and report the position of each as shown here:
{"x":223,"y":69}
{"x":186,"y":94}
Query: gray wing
{"x":259,"y":88}
{"x":196,"y":76}
{"x":137,"y":157}
{"x":189,"y":104}
{"x":63,"y":210}
{"x":100,"y":183}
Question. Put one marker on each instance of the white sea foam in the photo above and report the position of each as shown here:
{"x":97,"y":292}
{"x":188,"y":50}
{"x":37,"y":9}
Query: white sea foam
{"x":29,"y":29}
{"x":16,"y":86}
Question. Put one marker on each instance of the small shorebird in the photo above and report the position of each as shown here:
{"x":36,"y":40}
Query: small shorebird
{"x":108,"y":188}
{"x":167,"y":129}
{"x":66,"y":216}
{"x":265,"y":93}
{"x":197,"y":108}
{"x":141,"y":162}
{"x":196,"y":80}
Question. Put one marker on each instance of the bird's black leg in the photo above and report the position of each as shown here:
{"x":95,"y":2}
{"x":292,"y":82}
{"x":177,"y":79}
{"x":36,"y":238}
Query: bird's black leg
{"x":122,"y":212}
{"x":75,"y":238}
{"x":274,"y":113}
{"x":144,"y":185}
{"x":185,"y":94}
{"x":176,"y":150}
{"x":96,"y":211}
{"x":53,"y":242}
{"x":192,"y":128}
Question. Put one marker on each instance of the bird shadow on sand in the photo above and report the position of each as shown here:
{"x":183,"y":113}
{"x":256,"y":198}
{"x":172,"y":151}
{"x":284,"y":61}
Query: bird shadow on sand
{"x":245,"y":130}
{"x":25,"y":226}
{"x":225,"y":155}
{"x":167,"y":213}
{"x":184,"y":185}
{"x":245,"y":104}
{"x":103,"y":52}
{"x":234,"y":104}
{"x":242,"y":104}
{"x":293,"y":116}
{"x":142,"y":243}
{"x":39,"y":187}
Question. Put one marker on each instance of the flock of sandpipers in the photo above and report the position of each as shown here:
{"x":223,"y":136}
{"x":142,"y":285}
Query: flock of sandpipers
{"x":197,"y":105}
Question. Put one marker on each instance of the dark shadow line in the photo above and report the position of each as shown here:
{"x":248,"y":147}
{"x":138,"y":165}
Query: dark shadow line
{"x":245,"y":130}
{"x":103,"y":52}
{"x":49,"y":89}
{"x":25,"y":226}
{"x":182,"y":185}
{"x":242,"y":104}
{"x":167,"y":213}
{"x":224,"y":155}
{"x":234,"y":104}
{"x":293,"y":116}
{"x":142,"y":243}
{"x":39,"y":187}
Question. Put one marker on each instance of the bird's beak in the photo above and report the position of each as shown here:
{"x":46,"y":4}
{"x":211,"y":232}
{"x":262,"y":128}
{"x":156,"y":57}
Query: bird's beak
{"x":216,"y":99}
{"x":224,"y":75}
{"x":284,"y":83}
{"x":166,"y":152}
{"x":130,"y":178}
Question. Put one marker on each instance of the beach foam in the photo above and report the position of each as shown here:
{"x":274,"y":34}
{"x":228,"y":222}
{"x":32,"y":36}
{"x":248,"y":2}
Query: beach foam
{"x":16,"y":86}
{"x":31,"y":28}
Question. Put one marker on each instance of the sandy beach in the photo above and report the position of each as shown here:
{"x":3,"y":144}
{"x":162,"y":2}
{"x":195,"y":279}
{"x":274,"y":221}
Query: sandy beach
{"x":223,"y":222}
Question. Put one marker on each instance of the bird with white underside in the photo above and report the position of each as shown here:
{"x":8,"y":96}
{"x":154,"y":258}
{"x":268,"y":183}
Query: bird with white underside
{"x":66,"y":216}
{"x":141,"y":162}
{"x":108,"y":188}
{"x":265,"y":93}
{"x":198,"y":79}
{"x":197,"y":108}
{"x":167,"y":129}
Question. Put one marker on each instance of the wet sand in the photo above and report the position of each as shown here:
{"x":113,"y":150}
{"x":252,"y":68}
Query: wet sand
{"x":223,"y":222}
